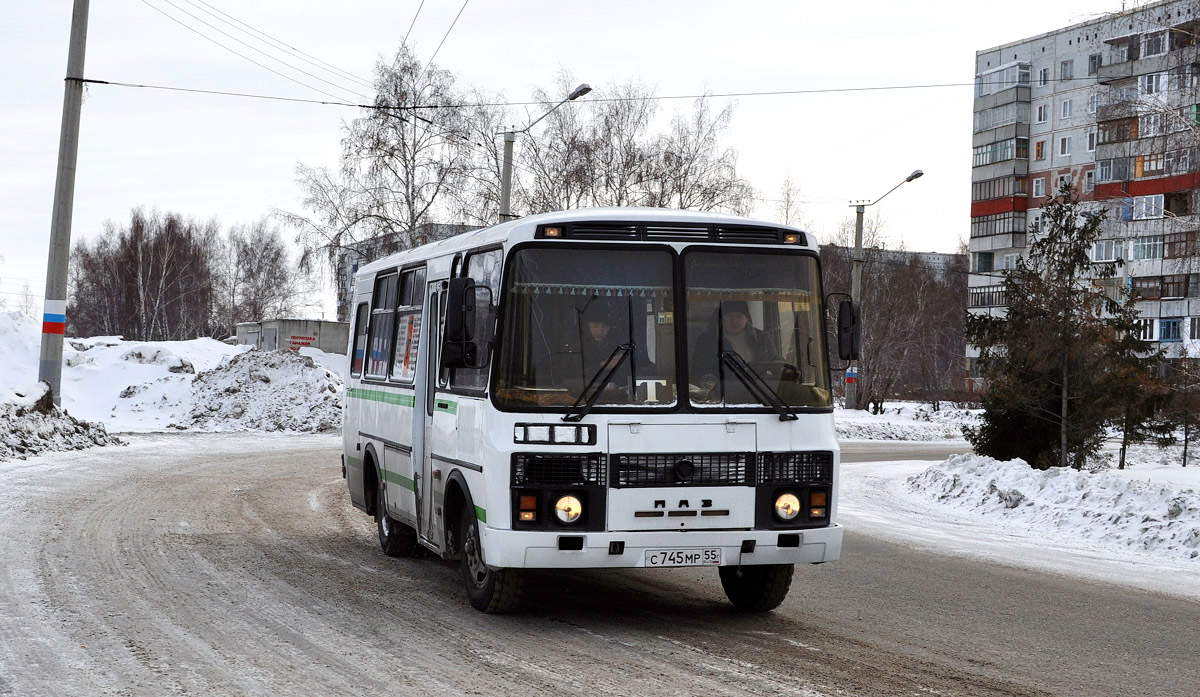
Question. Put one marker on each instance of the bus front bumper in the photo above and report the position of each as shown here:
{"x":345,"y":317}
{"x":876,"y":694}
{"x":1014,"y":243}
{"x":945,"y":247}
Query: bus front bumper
{"x":596,"y":550}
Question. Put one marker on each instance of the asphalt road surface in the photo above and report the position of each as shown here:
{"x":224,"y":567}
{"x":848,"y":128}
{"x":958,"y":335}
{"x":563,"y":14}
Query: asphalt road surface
{"x":234,"y":565}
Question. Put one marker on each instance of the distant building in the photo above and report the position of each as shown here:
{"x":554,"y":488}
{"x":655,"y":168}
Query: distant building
{"x":353,"y":256}
{"x":1113,"y":106}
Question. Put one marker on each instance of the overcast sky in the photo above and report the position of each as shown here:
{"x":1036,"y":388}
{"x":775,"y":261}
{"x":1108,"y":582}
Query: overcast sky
{"x":234,"y":158}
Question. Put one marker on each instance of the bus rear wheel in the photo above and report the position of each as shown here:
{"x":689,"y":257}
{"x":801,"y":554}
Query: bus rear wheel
{"x":756,"y":588}
{"x":494,"y":591}
{"x":395,"y":538}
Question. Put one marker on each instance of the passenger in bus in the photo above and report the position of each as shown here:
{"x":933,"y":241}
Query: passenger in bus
{"x":738,"y":333}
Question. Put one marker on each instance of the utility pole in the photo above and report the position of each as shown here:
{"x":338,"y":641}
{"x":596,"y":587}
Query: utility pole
{"x":510,"y":137}
{"x":852,"y":376}
{"x":54,"y":313}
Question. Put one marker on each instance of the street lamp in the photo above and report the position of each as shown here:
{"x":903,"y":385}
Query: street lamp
{"x":856,"y":277}
{"x":511,"y":136}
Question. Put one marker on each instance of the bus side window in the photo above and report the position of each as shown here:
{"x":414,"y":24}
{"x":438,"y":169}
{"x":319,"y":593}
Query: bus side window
{"x":484,"y":268}
{"x":408,"y":325}
{"x":360,"y":340}
{"x":383,"y":326}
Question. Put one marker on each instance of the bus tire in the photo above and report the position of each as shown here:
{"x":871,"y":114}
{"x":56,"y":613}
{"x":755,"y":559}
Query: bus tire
{"x":756,"y":588}
{"x":494,"y":591}
{"x":395,"y":538}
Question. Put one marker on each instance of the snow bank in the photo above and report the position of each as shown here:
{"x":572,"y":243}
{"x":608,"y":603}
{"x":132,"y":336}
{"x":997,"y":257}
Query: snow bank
{"x":1113,"y":510}
{"x":267,"y":391}
{"x":903,"y":421}
{"x":30,"y":424}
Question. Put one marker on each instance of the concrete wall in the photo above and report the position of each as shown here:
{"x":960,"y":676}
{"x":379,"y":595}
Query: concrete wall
{"x":293,"y":334}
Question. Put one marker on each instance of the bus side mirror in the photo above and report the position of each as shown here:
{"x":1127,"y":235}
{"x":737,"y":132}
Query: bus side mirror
{"x":465,"y":338}
{"x":849,"y":331}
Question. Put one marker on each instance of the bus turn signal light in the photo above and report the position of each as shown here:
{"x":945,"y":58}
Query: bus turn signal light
{"x":816,"y":498}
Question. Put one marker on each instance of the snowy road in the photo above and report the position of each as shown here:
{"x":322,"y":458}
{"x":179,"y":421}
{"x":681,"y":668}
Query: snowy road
{"x":178,"y":565}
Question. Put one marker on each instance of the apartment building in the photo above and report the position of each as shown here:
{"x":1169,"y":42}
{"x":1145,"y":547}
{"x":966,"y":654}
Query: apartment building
{"x":1113,"y":106}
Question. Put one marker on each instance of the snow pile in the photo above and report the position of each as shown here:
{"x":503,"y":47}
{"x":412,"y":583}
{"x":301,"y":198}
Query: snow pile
{"x":30,"y":424}
{"x":1113,"y":510}
{"x":267,"y":391}
{"x":903,"y":421}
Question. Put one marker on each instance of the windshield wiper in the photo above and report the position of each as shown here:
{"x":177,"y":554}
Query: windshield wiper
{"x":596,"y":385}
{"x":757,"y":386}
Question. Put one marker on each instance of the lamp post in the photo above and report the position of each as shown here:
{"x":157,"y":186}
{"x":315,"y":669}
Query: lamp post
{"x":510,"y":137}
{"x":856,"y":278}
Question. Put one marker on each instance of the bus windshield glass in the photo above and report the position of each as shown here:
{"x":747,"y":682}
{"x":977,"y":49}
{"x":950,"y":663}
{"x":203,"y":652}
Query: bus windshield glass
{"x":575,"y":316}
{"x":769,"y":317}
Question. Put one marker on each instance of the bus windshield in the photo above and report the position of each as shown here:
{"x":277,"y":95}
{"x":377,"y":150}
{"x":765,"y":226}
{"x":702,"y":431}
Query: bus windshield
{"x":574,"y":316}
{"x":768,"y":319}
{"x":605,"y":317}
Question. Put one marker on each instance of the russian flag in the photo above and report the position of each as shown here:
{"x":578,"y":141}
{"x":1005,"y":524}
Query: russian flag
{"x":54,"y":317}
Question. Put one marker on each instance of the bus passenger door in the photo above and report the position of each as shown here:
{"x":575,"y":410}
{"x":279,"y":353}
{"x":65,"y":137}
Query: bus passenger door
{"x":425,"y":398}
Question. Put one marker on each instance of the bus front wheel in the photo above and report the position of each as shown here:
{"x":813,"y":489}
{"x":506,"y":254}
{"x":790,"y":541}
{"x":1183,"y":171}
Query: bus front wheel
{"x":494,"y":591}
{"x":756,"y":588}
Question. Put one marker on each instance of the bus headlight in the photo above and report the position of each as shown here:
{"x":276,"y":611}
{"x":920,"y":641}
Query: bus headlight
{"x":787,"y":506}
{"x":568,"y":508}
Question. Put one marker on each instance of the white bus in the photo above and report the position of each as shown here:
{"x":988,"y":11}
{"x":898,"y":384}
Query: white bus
{"x":599,"y":388}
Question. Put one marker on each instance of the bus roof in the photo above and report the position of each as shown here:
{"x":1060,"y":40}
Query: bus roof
{"x":522,"y":229}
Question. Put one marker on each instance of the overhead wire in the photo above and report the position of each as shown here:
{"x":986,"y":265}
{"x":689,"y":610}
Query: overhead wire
{"x":245,"y":57}
{"x":316,"y":62}
{"x":412,"y":24}
{"x":447,"y":35}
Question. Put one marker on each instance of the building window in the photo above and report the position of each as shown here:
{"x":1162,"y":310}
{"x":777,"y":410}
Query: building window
{"x":1091,"y":141}
{"x":1147,"y":207}
{"x":998,"y":224}
{"x":1039,"y":150}
{"x":1154,"y":83}
{"x":1152,"y":125}
{"x":1118,"y":131}
{"x":1149,"y":165}
{"x":1008,"y":262}
{"x":1154,"y":44}
{"x":1094,"y":62}
{"x":1195,"y":329}
{"x":997,"y":188}
{"x":1175,"y":286}
{"x":1150,"y":247}
{"x":1043,"y":113}
{"x":1093,"y":103}
{"x":1178,"y":161}
{"x":1147,"y":288}
{"x":983,"y":262}
{"x":1002,"y":78}
{"x":1067,"y":108}
{"x":1063,"y":180}
{"x":1168,"y":329}
{"x":1177,"y":203}
{"x":1064,"y":145}
{"x":1145,"y":329}
{"x":1013,"y":112}
{"x":1108,"y":250}
{"x":1179,"y":245}
{"x":1089,"y":181}
{"x":1039,"y":185}
{"x":1066,"y":70}
{"x":1013,"y":148}
{"x":1043,"y":77}
{"x":1114,"y":170}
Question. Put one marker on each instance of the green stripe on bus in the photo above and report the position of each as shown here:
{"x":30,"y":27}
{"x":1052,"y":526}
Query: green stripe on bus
{"x":448,"y":407}
{"x":481,"y":514}
{"x":401,"y":480}
{"x":401,"y":399}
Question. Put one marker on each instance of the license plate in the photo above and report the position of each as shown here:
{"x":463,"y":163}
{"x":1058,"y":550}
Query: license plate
{"x":683,"y":557}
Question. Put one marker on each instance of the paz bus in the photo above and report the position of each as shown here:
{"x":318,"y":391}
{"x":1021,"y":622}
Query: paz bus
{"x":599,"y":388}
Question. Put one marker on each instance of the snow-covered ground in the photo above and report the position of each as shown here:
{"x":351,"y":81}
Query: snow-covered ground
{"x":114,"y":386}
{"x":1140,"y":526}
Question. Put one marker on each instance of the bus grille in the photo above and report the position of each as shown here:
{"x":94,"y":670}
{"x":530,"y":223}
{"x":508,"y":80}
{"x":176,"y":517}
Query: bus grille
{"x":682,"y":469}
{"x":788,"y":468}
{"x":554,"y":469}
